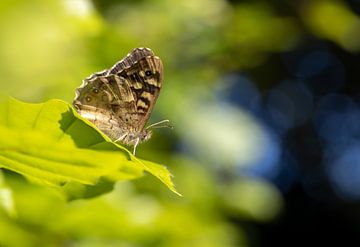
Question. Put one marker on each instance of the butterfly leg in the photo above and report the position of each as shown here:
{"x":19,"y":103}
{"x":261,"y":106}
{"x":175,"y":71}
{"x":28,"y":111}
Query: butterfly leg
{"x":120,"y":138}
{"x":135,"y":145}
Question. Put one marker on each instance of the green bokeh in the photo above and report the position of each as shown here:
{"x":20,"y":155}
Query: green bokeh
{"x":48,"y":47}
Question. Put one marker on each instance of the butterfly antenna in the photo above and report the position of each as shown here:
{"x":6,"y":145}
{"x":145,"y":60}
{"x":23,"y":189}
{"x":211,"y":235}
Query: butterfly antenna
{"x":162,"y":124}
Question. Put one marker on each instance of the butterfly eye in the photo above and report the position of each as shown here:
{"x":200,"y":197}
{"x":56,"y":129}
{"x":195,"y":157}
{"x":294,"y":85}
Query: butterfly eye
{"x":148,"y":73}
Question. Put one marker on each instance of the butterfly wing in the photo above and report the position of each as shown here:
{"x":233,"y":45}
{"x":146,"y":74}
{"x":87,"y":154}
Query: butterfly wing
{"x":120,"y":100}
{"x":106,"y":102}
{"x":130,"y":59}
{"x":145,"y":79}
{"x":144,"y":71}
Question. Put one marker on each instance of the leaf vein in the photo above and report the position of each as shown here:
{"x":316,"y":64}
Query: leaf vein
{"x":37,"y":117}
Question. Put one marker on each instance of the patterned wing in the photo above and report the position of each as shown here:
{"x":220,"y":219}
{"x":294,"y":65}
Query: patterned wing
{"x":130,"y":59}
{"x":144,"y":71}
{"x":106,"y":101}
{"x":119,"y":101}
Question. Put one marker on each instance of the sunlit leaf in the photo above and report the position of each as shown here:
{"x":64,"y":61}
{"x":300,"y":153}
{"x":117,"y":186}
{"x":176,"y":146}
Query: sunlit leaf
{"x":6,"y":197}
{"x":50,"y":144}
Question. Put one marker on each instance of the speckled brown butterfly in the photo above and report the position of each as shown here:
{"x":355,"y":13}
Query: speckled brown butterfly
{"x":119,"y":100}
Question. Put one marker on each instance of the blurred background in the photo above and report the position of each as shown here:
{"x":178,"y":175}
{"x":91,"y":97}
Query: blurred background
{"x":264,"y":97}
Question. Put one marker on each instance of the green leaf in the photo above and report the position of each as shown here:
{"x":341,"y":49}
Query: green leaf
{"x":6,"y":197}
{"x":50,"y":144}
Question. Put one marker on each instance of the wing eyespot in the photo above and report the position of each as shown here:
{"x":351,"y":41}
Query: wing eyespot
{"x":148,"y":73}
{"x":88,"y":98}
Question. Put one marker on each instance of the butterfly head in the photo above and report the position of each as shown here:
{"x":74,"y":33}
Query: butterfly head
{"x":135,"y":138}
{"x":145,"y":135}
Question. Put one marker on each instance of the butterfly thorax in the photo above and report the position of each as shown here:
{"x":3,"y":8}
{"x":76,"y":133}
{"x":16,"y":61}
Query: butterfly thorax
{"x":133,"y":138}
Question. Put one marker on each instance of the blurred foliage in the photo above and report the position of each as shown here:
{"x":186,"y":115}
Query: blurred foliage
{"x":226,"y":152}
{"x":335,"y":21}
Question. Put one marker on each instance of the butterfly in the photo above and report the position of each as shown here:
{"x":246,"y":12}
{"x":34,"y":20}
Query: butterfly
{"x":119,"y":100}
